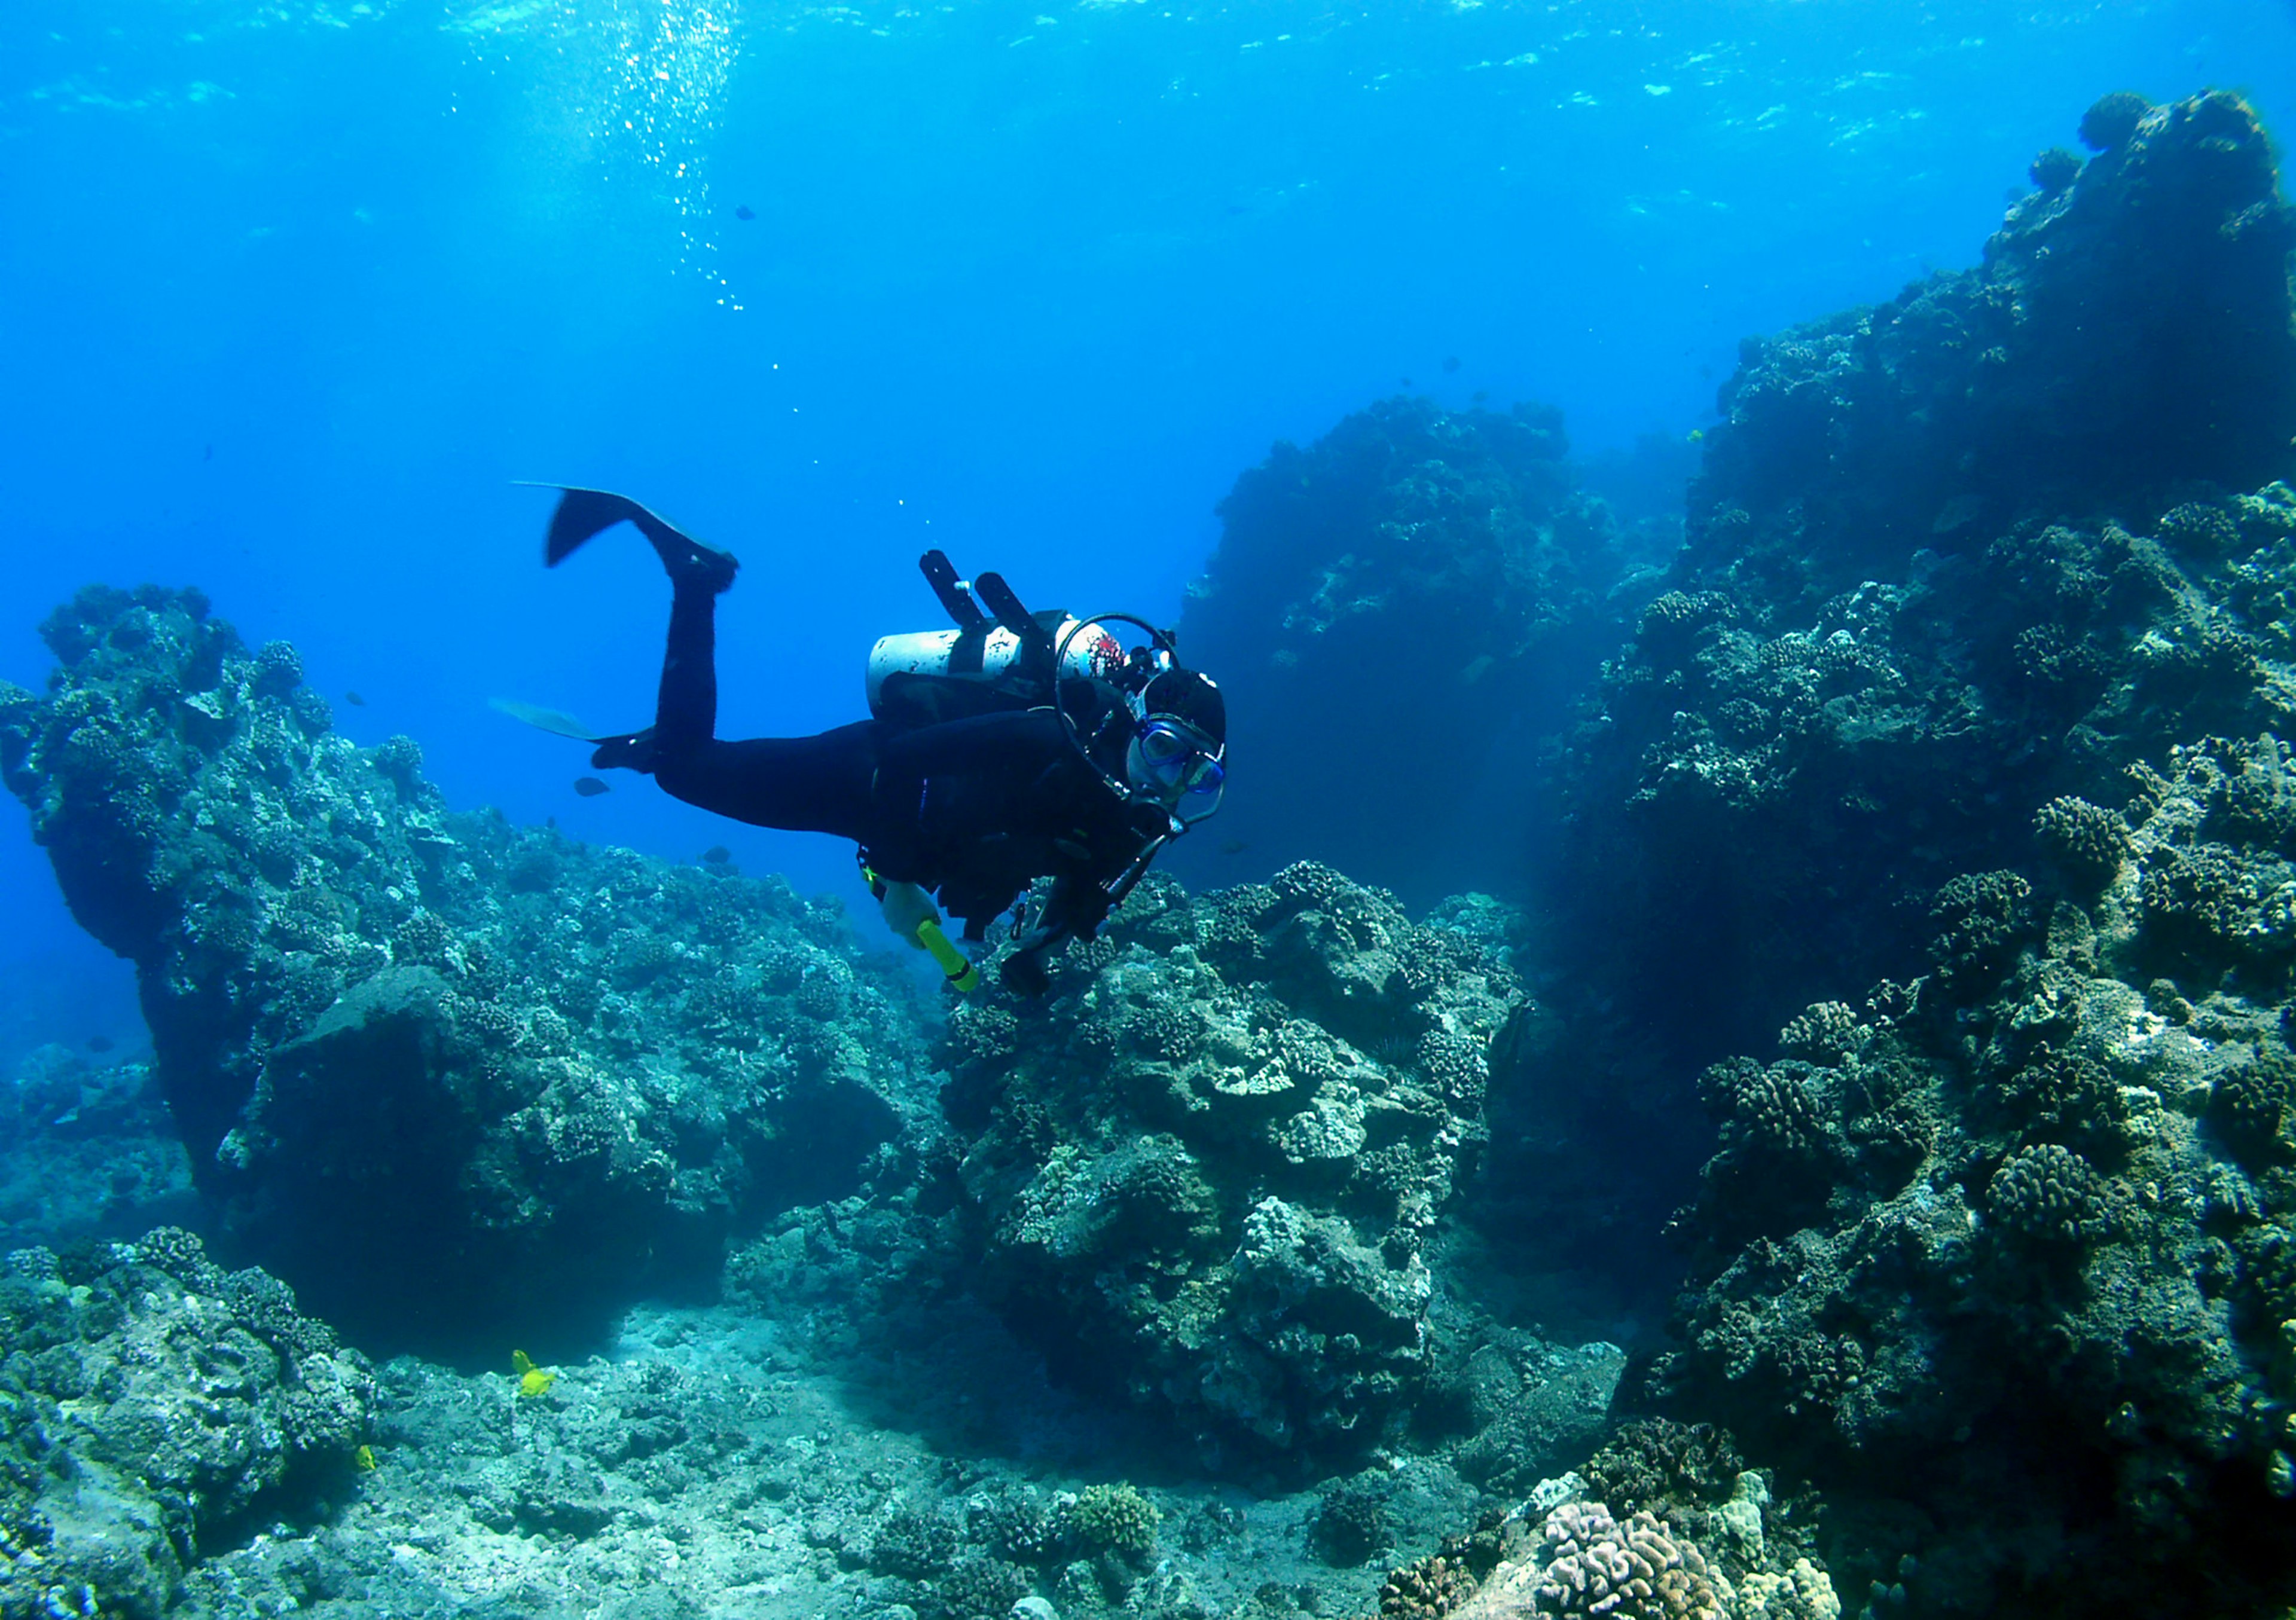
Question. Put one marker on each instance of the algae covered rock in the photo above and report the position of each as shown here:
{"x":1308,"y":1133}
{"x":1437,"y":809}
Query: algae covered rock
{"x":455,"y":1080}
{"x":147,"y":1398}
{"x":1201,"y":1172}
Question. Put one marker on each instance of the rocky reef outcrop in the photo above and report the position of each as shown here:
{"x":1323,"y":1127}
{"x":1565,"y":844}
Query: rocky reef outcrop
{"x":1949,"y":779}
{"x":1202,"y":1172}
{"x":1951,"y":557}
{"x":1397,"y":612}
{"x":150,"y":1402}
{"x":459,"y":1083}
{"x":2009,"y":1244}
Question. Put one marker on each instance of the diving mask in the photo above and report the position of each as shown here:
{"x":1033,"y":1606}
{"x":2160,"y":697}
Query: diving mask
{"x":1178,"y":765}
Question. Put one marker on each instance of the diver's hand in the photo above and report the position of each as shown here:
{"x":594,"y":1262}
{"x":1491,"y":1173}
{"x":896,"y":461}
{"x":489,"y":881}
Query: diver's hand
{"x":1084,"y":907}
{"x":1022,"y":970}
{"x":1023,"y":973}
{"x":1076,"y":905}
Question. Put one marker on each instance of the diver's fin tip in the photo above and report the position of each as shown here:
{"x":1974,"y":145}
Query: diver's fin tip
{"x":556,"y":722}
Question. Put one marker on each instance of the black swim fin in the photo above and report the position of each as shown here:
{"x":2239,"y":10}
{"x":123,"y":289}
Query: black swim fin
{"x":632,"y":751}
{"x":625,"y":751}
{"x":583,"y":513}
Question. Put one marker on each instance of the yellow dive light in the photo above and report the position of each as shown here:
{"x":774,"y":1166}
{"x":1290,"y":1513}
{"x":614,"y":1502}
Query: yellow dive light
{"x":910,"y":913}
{"x":956,"y":963}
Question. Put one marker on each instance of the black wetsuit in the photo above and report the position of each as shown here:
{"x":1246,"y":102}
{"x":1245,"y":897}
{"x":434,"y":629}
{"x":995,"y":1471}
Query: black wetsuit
{"x":976,"y":808}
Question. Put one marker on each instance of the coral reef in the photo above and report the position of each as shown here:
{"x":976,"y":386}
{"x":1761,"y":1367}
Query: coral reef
{"x":1947,"y":784}
{"x":1953,"y":560}
{"x":1202,"y":1172}
{"x":2067,"y":1265}
{"x":150,"y":1402}
{"x":1568,"y":1554}
{"x":1593,"y":1565}
{"x":1430,"y":579}
{"x":453,"y":1080}
{"x":1951,"y":778}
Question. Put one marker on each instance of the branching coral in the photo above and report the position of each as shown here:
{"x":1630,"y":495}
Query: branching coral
{"x":1652,"y":1460}
{"x":1115,"y":1518}
{"x":2087,"y":841}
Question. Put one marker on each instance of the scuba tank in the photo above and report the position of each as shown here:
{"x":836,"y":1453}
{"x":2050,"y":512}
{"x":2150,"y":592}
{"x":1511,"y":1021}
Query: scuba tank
{"x":975,"y":670}
{"x":989,"y":662}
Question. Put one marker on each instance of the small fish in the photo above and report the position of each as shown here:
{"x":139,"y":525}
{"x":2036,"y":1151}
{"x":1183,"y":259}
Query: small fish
{"x":354,"y":700}
{"x":207,"y":454}
{"x":744,"y":211}
{"x":590,"y":787}
{"x":362,"y":1459}
{"x":1698,"y":436}
{"x":532,"y":1380}
{"x":1406,"y":382}
{"x":1450,"y":363}
{"x":1233,"y":847}
{"x":716,"y":854}
{"x":1482,"y":395}
{"x":99,"y":1043}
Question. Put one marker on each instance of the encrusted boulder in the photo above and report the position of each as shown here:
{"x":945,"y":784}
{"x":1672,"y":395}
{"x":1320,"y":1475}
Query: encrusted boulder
{"x":147,"y":1398}
{"x":457,"y":1081}
{"x":1203,"y":1171}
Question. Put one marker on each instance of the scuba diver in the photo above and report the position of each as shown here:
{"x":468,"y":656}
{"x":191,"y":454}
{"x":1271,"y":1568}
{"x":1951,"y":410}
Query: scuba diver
{"x":1014,"y":747}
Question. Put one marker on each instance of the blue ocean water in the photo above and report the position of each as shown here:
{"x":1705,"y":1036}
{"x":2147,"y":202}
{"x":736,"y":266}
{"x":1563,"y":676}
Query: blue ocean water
{"x":291,"y":292}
